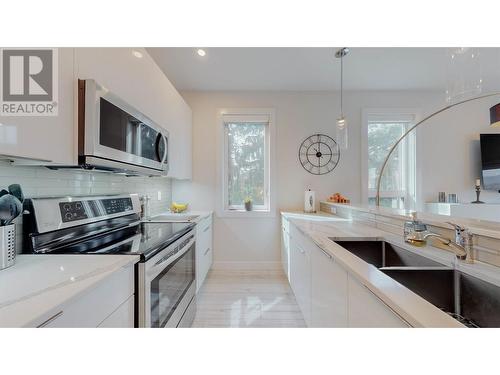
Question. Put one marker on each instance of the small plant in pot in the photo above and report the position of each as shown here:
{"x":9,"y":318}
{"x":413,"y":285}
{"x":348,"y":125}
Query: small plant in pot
{"x":248,"y":204}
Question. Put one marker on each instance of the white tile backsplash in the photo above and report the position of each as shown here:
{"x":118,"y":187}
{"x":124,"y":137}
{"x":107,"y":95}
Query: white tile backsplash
{"x":44,"y":182}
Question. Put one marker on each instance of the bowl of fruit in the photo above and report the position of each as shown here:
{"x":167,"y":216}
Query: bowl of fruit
{"x":178,"y":207}
{"x":338,"y":198}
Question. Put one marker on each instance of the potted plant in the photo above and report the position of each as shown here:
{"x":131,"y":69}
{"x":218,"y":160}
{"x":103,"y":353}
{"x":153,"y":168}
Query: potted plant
{"x":248,"y":204}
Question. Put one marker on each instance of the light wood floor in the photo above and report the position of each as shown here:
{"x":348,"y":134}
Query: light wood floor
{"x":247,"y":299}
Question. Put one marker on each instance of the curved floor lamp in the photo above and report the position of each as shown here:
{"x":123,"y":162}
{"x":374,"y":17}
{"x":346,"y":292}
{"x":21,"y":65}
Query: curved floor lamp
{"x":386,"y":160}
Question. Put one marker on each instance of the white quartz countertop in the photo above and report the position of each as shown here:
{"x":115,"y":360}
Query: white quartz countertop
{"x":411,"y":307}
{"x":37,"y":285}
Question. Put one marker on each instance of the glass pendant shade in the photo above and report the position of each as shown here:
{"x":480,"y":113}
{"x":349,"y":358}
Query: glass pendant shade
{"x":463,"y":74}
{"x":342,"y":138}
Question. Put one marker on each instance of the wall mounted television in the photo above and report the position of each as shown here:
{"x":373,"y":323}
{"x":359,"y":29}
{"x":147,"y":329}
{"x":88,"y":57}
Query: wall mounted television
{"x":490,"y":161}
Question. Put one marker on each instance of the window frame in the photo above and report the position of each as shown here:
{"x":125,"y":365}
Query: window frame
{"x":411,"y":115}
{"x":223,"y":209}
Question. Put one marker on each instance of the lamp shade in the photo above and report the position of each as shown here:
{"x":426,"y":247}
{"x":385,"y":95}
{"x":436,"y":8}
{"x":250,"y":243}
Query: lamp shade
{"x":495,"y":116}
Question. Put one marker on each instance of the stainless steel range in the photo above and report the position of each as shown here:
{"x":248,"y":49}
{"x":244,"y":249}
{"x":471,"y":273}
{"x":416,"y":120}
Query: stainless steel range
{"x":165,"y":275}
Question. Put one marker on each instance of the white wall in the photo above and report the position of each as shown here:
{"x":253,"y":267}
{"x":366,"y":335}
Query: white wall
{"x":448,"y":154}
{"x":451,"y":157}
{"x":298,"y":115}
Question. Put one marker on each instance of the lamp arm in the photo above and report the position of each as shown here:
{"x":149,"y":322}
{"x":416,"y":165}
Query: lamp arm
{"x":386,"y":160}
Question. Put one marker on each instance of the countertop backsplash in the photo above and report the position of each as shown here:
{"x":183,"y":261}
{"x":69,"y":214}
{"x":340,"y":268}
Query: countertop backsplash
{"x":44,"y":182}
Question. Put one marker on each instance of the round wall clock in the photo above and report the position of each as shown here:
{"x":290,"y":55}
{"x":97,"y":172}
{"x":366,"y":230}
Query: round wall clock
{"x":319,"y":154}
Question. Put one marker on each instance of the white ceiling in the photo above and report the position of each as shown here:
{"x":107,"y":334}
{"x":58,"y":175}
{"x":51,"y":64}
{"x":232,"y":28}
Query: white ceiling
{"x":315,"y":68}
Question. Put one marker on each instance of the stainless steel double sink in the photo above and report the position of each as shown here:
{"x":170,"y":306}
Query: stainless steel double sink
{"x":472,"y":301}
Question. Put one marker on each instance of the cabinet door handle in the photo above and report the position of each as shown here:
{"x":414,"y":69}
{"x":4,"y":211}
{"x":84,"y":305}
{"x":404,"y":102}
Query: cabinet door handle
{"x":50,"y":320}
{"x":207,"y":251}
{"x":324,"y":252}
{"x":206,"y":229}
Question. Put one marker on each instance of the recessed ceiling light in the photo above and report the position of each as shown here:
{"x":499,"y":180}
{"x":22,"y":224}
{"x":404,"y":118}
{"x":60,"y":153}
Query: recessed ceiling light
{"x":137,"y":54}
{"x":201,"y":52}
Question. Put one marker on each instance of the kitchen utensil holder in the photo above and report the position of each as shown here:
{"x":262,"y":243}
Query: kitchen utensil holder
{"x":7,"y":246}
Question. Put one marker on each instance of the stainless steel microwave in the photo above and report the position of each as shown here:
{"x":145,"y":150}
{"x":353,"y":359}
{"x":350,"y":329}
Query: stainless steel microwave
{"x":112,"y":135}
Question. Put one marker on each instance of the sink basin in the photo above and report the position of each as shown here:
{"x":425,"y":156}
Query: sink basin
{"x":173,"y":218}
{"x":470,"y":300}
{"x":384,"y":254}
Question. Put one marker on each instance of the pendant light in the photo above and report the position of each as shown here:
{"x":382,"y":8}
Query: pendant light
{"x":463,"y":74}
{"x":341,"y":121}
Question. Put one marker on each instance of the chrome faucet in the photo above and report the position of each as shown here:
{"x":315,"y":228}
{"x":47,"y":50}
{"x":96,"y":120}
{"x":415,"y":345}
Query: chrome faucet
{"x":463,"y":244}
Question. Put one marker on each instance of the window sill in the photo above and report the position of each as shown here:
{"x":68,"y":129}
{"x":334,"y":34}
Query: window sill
{"x":246,"y":214}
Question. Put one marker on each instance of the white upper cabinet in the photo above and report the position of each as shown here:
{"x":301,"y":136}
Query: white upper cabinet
{"x":138,"y":81}
{"x":47,"y":139}
{"x":141,"y":83}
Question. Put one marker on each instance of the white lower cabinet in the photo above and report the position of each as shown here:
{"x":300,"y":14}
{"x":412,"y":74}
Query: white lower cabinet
{"x":204,"y":249}
{"x":366,"y":310}
{"x":328,"y":295}
{"x":300,"y":278}
{"x":108,"y":304}
{"x":285,"y":246}
{"x":328,"y":291}
{"x":123,"y":316}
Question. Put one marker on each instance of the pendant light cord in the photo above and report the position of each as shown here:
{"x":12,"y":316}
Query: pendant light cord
{"x":341,"y":84}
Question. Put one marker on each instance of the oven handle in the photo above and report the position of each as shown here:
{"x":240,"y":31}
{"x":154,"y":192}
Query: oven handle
{"x":160,"y":264}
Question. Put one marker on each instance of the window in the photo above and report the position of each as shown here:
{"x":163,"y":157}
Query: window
{"x":246,"y":162}
{"x":398,"y":186}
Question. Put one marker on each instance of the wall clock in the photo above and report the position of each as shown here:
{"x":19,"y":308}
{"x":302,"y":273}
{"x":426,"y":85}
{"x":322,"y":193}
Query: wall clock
{"x":319,"y":154}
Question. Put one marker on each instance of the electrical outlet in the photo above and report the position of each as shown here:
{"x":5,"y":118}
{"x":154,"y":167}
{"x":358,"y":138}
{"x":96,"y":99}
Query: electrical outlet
{"x":159,"y":195}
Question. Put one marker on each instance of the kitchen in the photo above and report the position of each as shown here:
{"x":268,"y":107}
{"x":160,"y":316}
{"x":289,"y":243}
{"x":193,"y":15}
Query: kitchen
{"x":198,"y":186}
{"x":116,"y":190}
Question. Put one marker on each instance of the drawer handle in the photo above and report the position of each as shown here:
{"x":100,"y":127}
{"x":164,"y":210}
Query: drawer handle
{"x":50,"y":320}
{"x":207,"y":251}
{"x":206,"y":229}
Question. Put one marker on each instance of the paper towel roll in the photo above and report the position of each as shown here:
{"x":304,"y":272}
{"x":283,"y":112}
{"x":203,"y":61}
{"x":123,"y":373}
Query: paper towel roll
{"x":309,"y":201}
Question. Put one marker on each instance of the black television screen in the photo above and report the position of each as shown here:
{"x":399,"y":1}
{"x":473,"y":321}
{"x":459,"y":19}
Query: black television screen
{"x":490,"y":161}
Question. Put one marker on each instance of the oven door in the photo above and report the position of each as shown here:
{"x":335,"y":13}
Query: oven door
{"x":169,"y":284}
{"x":114,"y":131}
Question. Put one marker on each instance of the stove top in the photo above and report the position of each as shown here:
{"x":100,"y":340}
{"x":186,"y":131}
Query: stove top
{"x":96,"y":225}
{"x":143,"y":239}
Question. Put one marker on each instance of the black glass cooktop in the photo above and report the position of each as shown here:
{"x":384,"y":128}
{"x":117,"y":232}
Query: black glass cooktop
{"x":144,"y":239}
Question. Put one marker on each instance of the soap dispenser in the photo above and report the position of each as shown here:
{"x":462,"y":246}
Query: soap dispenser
{"x":415,"y":231}
{"x":409,"y":225}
